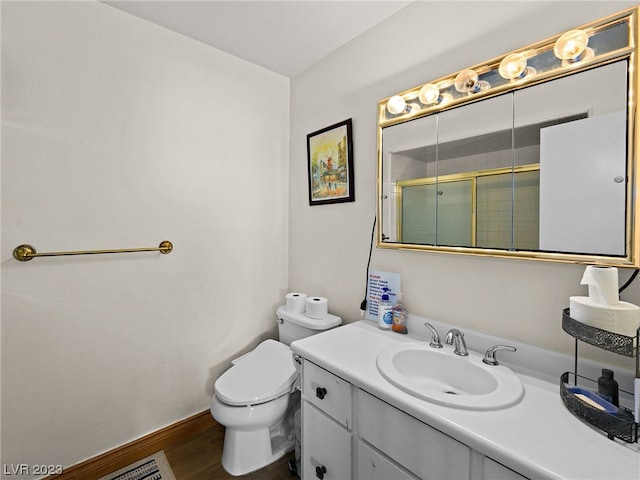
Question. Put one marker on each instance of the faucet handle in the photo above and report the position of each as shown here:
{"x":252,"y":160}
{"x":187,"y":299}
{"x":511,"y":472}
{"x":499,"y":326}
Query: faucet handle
{"x":435,"y":338}
{"x":490,"y":355}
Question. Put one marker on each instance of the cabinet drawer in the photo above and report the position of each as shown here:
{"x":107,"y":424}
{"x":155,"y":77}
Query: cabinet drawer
{"x":374,"y":466}
{"x":421,"y":449}
{"x":496,"y":471}
{"x":329,"y":393}
{"x":326,"y":447}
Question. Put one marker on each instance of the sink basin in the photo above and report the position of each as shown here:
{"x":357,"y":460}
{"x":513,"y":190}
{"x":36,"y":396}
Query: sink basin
{"x":440,"y":376}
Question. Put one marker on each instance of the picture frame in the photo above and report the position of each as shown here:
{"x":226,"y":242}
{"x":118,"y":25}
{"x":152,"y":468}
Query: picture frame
{"x":330,"y":164}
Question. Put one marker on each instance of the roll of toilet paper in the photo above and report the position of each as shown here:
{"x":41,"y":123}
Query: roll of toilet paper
{"x":296,"y":302}
{"x":317,"y":307}
{"x":622,"y":318}
{"x":603,"y":284}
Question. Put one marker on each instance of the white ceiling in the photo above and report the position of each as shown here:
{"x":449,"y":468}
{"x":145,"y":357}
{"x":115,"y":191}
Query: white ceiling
{"x":283,"y":36}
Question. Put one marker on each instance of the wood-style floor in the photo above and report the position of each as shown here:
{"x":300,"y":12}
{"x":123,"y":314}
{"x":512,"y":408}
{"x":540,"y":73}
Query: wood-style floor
{"x":198,"y":458}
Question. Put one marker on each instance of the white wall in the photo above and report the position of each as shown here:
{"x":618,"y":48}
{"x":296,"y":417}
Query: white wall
{"x":118,"y":133}
{"x":329,"y":244}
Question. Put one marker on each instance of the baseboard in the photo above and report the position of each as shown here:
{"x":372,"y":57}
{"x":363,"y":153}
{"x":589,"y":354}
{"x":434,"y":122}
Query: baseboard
{"x":126,"y":454}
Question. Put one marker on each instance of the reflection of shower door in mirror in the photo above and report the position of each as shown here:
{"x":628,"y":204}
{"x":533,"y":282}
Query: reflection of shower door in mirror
{"x":490,"y":209}
{"x":455,"y":214}
{"x":495,"y":211}
{"x":438,"y":214}
{"x":508,"y":209}
{"x":418,"y":214}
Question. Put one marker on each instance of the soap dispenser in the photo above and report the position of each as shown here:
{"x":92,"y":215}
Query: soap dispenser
{"x":385,"y":318}
{"x":399,"y":314}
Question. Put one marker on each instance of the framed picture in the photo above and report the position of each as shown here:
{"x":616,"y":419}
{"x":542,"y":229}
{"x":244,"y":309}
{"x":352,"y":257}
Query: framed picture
{"x":330,"y":164}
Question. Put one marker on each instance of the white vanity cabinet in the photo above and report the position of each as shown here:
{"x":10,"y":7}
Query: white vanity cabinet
{"x":372,"y":465}
{"x":422,"y":450}
{"x":327,"y":422}
{"x":349,"y":433}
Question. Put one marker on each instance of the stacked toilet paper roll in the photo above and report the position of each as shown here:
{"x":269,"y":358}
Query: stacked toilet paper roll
{"x":603,"y":308}
{"x":317,"y":307}
{"x":313,"y":307}
{"x":296,"y":302}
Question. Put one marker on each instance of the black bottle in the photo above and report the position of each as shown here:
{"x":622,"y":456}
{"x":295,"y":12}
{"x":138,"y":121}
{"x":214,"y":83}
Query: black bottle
{"x":608,"y":387}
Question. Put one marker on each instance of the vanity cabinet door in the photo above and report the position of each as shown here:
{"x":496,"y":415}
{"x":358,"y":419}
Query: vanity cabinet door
{"x":329,"y":393}
{"x":421,"y":449}
{"x":374,"y":466}
{"x":326,"y":447}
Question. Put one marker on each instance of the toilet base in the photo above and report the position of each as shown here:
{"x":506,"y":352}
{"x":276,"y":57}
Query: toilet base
{"x":247,"y":448}
{"x":245,"y":452}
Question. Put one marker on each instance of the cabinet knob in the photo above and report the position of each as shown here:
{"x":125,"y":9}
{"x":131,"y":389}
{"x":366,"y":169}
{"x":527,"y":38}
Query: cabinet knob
{"x":320,"y":471}
{"x":321,"y":392}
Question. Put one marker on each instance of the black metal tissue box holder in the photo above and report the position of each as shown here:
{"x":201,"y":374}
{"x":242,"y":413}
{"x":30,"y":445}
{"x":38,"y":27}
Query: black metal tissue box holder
{"x":621,"y":425}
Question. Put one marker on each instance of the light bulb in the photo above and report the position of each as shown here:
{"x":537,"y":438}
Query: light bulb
{"x":430,"y":94}
{"x":572,"y":46}
{"x":467,"y":81}
{"x":514,"y":66}
{"x":397,"y":105}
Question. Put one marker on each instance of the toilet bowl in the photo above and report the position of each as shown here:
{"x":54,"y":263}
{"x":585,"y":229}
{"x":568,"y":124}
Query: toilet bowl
{"x":256,"y":399}
{"x":251,"y":400}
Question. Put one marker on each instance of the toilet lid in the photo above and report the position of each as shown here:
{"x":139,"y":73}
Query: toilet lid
{"x":264,"y":374}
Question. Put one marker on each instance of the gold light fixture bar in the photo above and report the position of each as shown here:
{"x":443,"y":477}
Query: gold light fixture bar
{"x":25,"y":252}
{"x":551,"y":58}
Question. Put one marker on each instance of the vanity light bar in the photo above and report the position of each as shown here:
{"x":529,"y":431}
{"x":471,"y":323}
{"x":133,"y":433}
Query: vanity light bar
{"x":572,"y":51}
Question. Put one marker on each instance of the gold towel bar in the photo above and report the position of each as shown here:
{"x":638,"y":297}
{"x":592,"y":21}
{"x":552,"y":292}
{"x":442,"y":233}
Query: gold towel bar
{"x":25,"y":252}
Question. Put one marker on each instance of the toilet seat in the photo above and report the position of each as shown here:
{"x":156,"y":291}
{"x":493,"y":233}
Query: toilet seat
{"x":266,"y":373}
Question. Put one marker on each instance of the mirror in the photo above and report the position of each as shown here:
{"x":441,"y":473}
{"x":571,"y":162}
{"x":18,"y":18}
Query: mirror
{"x":537,"y":166}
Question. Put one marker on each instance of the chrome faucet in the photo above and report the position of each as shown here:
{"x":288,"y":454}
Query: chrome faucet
{"x":456,"y":337}
{"x":490,"y":355}
{"x":435,"y":338}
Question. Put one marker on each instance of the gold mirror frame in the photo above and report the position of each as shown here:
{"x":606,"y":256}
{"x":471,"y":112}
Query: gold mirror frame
{"x":411,"y":107}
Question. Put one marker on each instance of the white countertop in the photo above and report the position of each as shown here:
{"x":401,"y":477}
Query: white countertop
{"x":538,"y":437}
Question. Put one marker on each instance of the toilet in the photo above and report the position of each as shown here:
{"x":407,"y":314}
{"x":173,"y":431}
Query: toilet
{"x":256,"y":399}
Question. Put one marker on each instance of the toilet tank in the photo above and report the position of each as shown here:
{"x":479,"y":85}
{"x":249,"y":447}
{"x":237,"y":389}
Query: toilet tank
{"x":294,"y":326}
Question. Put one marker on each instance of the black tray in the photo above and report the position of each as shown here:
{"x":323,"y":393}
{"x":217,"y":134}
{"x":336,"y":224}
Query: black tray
{"x":621,"y":425}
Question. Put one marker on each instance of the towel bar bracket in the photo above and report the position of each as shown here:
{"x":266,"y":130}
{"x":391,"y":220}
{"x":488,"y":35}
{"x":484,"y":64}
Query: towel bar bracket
{"x":24,"y":252}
